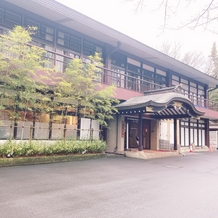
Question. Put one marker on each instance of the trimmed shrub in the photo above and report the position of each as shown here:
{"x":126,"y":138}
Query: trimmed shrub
{"x":39,"y":148}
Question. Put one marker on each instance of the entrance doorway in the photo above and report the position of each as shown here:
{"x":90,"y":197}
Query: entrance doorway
{"x":132,"y":132}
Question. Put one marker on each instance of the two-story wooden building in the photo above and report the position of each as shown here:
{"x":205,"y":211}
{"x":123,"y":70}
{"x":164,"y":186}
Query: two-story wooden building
{"x":164,"y":102}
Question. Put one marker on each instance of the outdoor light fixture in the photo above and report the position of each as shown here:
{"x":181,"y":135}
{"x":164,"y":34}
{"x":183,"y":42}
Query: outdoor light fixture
{"x":149,"y":109}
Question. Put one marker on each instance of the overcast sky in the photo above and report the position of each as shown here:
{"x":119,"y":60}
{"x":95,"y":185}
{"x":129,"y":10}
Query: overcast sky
{"x":145,"y":25}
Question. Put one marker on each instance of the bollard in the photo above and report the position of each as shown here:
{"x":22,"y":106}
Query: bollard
{"x":191,"y":148}
{"x":211,"y":148}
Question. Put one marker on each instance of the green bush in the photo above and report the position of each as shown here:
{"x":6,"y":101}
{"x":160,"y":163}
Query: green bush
{"x":39,"y":148}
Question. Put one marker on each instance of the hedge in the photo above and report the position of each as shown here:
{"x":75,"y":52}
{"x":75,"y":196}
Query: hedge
{"x":42,"y":148}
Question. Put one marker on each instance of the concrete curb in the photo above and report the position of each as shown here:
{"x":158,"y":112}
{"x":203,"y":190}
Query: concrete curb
{"x":21,"y":161}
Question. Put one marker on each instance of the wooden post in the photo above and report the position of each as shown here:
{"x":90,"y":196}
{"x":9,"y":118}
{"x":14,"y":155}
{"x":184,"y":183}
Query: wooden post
{"x":65,"y":130}
{"x":175,"y":134}
{"x":207,"y":133}
{"x":91,"y":135}
{"x":50,"y":125}
{"x":31,"y":133}
{"x":140,"y":131}
{"x":10,"y":131}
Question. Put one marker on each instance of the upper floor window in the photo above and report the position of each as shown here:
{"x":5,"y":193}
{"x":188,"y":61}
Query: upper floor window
{"x":69,"y":41}
{"x":160,"y":78}
{"x":43,"y":32}
{"x":118,"y":60}
{"x":9,"y":19}
{"x":1,"y":15}
{"x":175,"y":80}
{"x":90,"y":49}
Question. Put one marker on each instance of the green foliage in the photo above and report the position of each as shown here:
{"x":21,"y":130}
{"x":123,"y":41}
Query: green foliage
{"x":214,"y":59}
{"x":213,"y":95}
{"x":81,"y":86}
{"x":26,"y":81}
{"x":20,"y":64}
{"x":39,"y":148}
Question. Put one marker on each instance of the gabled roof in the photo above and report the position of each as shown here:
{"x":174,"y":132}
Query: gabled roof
{"x":72,"y":19}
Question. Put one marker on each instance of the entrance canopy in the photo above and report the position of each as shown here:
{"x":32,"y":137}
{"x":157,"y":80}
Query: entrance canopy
{"x":164,"y":103}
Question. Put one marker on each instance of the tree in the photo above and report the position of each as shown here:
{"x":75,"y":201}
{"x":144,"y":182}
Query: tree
{"x":172,"y":50}
{"x":194,"y":59}
{"x":206,"y":16}
{"x":27,"y":86}
{"x":19,"y":64}
{"x":214,"y":61}
{"x":80,"y":88}
{"x":214,"y":71}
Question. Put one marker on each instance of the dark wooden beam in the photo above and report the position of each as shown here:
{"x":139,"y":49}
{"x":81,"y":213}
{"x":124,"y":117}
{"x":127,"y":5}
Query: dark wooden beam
{"x":175,"y":134}
{"x":140,"y":132}
{"x":160,"y":117}
{"x":207,"y":133}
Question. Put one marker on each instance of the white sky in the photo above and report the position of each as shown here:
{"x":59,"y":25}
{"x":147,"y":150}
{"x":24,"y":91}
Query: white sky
{"x":145,"y":26}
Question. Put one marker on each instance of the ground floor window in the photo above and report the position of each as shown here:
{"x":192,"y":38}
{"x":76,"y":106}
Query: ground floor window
{"x":192,"y":131}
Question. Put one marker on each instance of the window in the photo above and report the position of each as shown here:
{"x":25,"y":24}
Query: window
{"x":90,"y":49}
{"x":118,"y":60}
{"x":148,"y":80}
{"x":43,"y":32}
{"x":161,"y":80}
{"x":1,"y":15}
{"x":12,"y":19}
{"x":133,"y":78}
{"x":175,"y":80}
{"x":148,"y":75}
{"x":201,"y":96}
{"x":193,"y":92}
{"x":71,"y":42}
{"x":47,"y":33}
{"x":32,"y":24}
{"x":117,"y":76}
{"x":9,"y":18}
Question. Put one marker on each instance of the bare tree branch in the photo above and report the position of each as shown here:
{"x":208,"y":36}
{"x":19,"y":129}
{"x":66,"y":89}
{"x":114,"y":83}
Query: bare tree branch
{"x":205,"y":16}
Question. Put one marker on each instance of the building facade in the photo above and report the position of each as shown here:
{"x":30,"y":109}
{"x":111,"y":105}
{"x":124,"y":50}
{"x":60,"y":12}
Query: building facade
{"x":141,"y":74}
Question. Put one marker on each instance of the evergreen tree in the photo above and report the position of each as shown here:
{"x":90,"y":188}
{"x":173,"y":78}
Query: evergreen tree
{"x":81,"y":88}
{"x":20,"y":63}
{"x":214,"y":59}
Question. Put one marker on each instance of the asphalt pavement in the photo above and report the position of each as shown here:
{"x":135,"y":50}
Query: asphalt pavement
{"x":116,"y":186}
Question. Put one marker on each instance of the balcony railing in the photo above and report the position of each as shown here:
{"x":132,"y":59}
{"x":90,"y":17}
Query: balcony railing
{"x":125,"y":81}
{"x":121,"y":79}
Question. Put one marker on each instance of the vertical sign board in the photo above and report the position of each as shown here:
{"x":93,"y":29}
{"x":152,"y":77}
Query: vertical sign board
{"x":122,"y":129}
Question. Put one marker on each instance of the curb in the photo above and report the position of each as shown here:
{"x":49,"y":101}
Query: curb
{"x":22,"y":161}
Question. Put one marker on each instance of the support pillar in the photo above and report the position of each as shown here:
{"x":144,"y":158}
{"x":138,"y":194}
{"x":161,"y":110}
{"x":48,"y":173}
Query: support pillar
{"x":140,"y":148}
{"x":207,"y":133}
{"x":175,"y":134}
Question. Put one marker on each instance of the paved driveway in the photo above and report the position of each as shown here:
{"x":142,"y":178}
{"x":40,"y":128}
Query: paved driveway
{"x":113,"y":187}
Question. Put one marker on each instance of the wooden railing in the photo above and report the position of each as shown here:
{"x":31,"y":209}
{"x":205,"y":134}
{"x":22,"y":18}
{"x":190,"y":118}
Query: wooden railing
{"x":125,"y":81}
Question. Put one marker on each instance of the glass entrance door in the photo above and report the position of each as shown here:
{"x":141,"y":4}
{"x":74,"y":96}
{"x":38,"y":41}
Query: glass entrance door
{"x":133,"y":133}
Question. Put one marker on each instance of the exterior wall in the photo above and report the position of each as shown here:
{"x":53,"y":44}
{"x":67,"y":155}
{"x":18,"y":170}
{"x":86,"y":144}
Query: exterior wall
{"x":214,"y":139}
{"x":111,"y":135}
{"x":115,"y":134}
{"x":167,"y":140}
{"x":155,"y":134}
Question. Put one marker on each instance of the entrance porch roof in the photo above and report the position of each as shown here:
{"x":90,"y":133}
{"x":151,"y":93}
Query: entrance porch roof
{"x":161,"y":104}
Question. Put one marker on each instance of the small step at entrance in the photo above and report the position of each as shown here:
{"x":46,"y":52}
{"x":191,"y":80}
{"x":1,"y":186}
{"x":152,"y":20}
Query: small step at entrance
{"x":148,"y":154}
